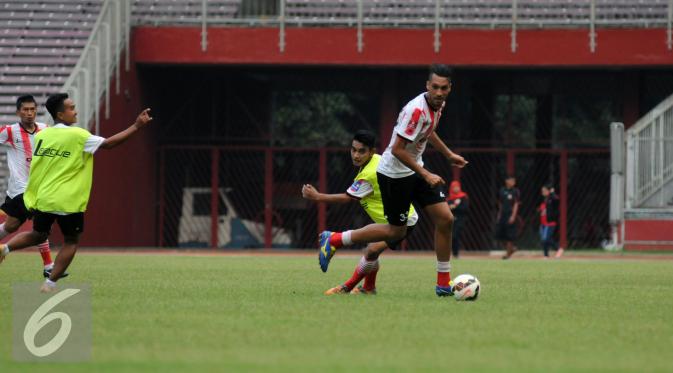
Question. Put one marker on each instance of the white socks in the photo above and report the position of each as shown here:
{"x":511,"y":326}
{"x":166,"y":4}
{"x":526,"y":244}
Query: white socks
{"x":4,"y":250}
{"x":365,"y":267}
{"x":346,"y":238}
{"x":443,"y":266}
{"x":50,"y":283}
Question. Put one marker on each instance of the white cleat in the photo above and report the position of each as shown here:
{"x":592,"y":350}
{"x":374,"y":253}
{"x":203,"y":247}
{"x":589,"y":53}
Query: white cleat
{"x":46,"y":288}
{"x":2,"y":255}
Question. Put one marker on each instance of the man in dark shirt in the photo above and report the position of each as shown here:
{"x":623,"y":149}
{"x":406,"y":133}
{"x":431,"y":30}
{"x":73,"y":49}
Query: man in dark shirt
{"x":508,"y":209}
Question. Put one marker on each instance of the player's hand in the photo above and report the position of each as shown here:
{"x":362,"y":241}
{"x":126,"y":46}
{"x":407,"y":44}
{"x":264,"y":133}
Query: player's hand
{"x":434,"y":180}
{"x":144,"y":118}
{"x":458,"y":161}
{"x":309,"y":192}
{"x":511,"y":220}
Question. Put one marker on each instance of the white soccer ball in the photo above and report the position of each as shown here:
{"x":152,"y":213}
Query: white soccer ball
{"x":466,"y":287}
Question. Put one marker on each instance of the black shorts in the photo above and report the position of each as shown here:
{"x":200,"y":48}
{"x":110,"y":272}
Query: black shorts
{"x":398,"y":194}
{"x":71,"y":224}
{"x":505,"y":231}
{"x":394,"y":245}
{"x":15,"y":208}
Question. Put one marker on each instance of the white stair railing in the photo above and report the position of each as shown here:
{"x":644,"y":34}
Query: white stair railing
{"x":90,"y":80}
{"x":649,"y":159}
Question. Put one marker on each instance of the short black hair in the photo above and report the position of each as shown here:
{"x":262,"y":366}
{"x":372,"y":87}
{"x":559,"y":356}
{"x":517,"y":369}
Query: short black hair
{"x":510,"y":177}
{"x":23,"y":99}
{"x":440,"y":70}
{"x":55,"y":104}
{"x":365,"y":137}
{"x":549,"y":186}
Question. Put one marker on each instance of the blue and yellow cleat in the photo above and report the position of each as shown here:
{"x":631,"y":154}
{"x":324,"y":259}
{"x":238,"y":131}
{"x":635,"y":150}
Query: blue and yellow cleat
{"x":444,"y":291}
{"x":326,"y":250}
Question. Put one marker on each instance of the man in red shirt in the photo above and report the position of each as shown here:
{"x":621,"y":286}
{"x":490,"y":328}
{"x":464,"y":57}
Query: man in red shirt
{"x":549,"y":212}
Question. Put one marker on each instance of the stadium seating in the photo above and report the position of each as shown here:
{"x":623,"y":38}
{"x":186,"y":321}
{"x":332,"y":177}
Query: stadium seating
{"x":487,"y":13}
{"x":40,"y":42}
{"x":182,"y":11}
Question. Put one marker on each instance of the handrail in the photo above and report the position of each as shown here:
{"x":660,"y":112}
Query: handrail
{"x":438,"y":14}
{"x":89,"y":80}
{"x":472,"y":14}
{"x":649,"y":158}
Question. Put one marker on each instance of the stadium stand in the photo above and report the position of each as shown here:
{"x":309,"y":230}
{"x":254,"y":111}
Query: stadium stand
{"x":40,"y":43}
{"x":41,"y":40}
{"x":484,"y":13}
{"x":152,"y":12}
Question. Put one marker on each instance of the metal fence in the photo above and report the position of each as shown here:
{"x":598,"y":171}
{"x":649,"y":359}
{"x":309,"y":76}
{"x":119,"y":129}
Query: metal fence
{"x":250,"y":197}
{"x":436,"y":14}
{"x":649,"y":167}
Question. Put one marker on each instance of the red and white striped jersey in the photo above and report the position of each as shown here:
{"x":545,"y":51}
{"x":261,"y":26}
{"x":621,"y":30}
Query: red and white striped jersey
{"x":19,"y":144}
{"x":415,"y":123}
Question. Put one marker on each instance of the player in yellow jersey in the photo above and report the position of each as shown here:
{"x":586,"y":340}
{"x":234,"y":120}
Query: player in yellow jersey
{"x":60,"y":179}
{"x":364,"y":189}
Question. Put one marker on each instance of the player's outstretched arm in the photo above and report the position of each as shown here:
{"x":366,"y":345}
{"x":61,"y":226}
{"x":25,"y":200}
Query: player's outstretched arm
{"x":143,"y":119}
{"x":439,"y":145}
{"x":308,"y":191}
{"x":400,"y":152}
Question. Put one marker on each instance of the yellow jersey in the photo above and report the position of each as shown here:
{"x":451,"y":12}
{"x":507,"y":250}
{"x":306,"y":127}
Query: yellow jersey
{"x":365,"y":188}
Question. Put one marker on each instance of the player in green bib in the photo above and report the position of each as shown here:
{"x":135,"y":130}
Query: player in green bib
{"x":60,"y":179}
{"x":365,"y":189}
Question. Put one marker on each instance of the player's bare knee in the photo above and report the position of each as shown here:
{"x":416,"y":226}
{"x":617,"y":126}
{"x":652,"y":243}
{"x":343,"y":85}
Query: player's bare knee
{"x":372,"y":253}
{"x":12,"y":226}
{"x":450,"y":220}
{"x":397,"y":233}
{"x":445,"y":222}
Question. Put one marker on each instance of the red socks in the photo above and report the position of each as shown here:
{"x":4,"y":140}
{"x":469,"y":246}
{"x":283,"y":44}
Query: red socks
{"x":370,"y":280}
{"x":336,"y":240}
{"x":367,"y":270}
{"x":443,"y":279}
{"x":45,"y":252}
{"x":354,"y":280}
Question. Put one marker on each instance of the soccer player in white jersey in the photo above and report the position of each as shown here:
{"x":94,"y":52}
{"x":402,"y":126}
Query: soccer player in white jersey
{"x":403,"y":179}
{"x":17,"y":138}
{"x":365,"y":189}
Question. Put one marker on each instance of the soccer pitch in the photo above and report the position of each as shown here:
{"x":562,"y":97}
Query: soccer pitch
{"x":267,"y":313}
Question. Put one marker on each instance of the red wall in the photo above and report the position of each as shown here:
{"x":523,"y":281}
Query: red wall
{"x":648,"y":235}
{"x":329,"y":46}
{"x":122,"y":210}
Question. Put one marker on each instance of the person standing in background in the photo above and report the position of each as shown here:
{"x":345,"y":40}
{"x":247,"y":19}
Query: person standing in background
{"x":459,"y":203}
{"x":509,"y":199}
{"x":549,"y":212}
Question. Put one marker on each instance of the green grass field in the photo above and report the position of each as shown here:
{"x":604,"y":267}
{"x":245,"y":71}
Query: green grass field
{"x":225,"y":313}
